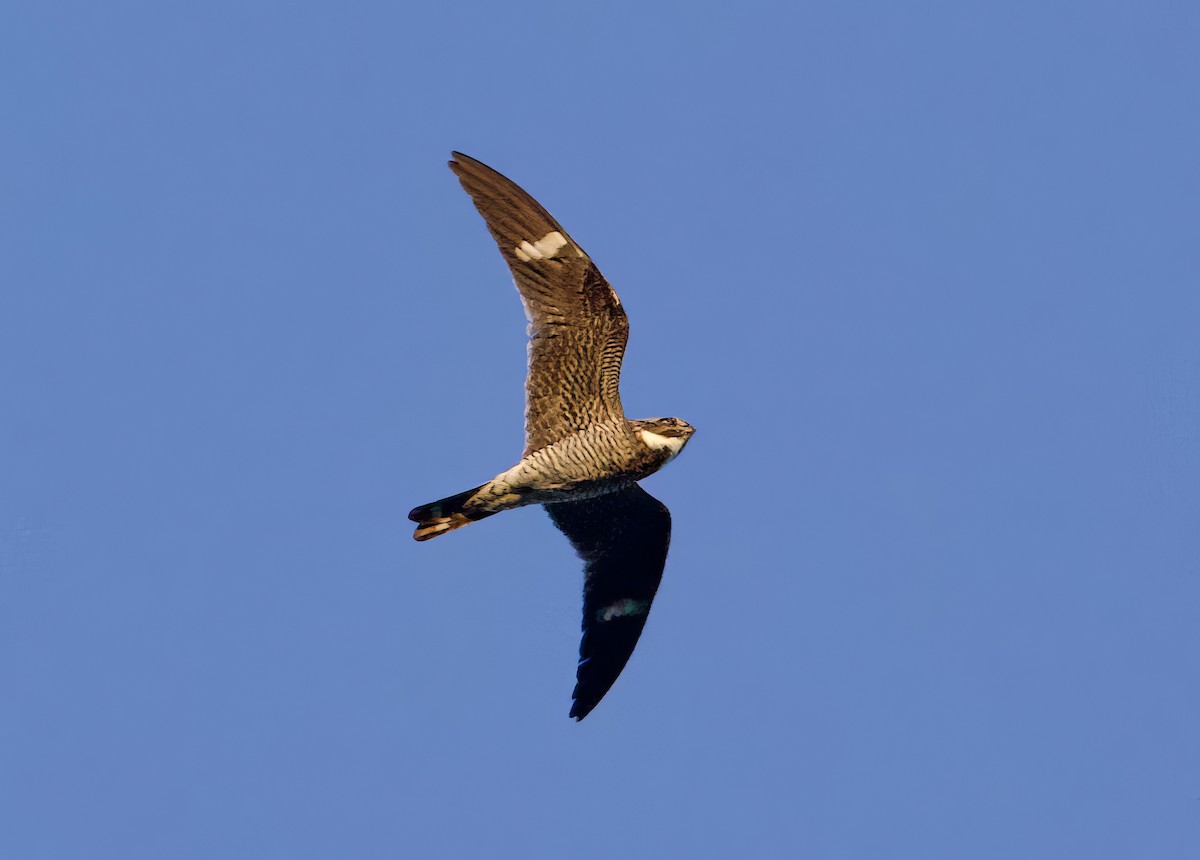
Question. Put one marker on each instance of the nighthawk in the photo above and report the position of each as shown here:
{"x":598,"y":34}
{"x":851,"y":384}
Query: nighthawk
{"x":583,"y":457}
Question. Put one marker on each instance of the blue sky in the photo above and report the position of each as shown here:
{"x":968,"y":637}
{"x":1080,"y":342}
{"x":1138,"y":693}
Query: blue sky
{"x":924,"y":276}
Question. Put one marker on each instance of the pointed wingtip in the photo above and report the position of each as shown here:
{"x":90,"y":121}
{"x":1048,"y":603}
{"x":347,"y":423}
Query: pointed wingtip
{"x":583,"y":704}
{"x":459,"y":160}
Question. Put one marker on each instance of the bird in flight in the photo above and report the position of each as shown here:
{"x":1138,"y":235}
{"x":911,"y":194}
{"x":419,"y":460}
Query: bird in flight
{"x":583,"y":457}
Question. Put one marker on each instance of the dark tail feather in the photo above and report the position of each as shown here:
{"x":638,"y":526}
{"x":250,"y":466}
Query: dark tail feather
{"x":445,"y":515}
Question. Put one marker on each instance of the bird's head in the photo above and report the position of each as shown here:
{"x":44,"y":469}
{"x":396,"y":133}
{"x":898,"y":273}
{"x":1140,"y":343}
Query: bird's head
{"x":664,"y":434}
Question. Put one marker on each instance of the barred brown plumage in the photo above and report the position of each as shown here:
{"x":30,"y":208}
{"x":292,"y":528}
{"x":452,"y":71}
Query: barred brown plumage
{"x":582,"y":456}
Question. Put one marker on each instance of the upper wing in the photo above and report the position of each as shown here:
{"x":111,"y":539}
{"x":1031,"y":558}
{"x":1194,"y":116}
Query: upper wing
{"x":622,"y":538}
{"x":577,"y":327}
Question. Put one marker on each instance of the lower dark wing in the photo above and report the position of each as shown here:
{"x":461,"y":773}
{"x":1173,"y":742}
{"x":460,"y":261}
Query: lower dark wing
{"x":622,"y":538}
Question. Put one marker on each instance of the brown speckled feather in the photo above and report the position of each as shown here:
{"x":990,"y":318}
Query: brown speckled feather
{"x":577,"y":327}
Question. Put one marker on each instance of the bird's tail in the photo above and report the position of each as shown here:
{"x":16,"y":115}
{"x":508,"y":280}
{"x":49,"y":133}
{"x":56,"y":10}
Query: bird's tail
{"x":445,"y":515}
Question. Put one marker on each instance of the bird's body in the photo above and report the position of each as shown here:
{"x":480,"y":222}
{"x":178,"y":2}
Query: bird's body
{"x":602,"y":459}
{"x":583,"y":457}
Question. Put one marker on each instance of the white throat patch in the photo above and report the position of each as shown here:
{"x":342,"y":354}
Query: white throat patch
{"x":674,"y":444}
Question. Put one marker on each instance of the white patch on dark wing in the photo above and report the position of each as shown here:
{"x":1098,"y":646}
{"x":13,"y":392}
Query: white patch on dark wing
{"x":546,"y":248}
{"x":622,"y":608}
